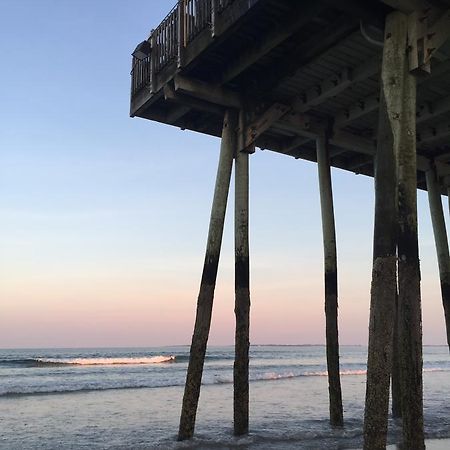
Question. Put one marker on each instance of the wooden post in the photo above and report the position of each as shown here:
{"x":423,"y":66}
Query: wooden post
{"x":396,"y":385}
{"x":441,"y":241}
{"x":214,"y":14}
{"x":384,"y":282}
{"x":242,"y":290}
{"x":403,"y":116}
{"x":154,"y":57}
{"x":331,"y":283}
{"x":208,"y":282}
{"x":180,"y":32}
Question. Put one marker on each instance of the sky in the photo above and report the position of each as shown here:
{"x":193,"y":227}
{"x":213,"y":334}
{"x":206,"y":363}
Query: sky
{"x":104,"y":218}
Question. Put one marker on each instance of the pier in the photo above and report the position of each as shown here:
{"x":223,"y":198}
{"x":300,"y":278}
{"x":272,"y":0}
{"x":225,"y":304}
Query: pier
{"x":363,"y":86}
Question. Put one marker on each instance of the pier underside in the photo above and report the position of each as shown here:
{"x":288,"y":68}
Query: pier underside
{"x":298,"y":68}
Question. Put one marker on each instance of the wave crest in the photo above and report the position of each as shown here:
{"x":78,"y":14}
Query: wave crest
{"x":106,"y":361}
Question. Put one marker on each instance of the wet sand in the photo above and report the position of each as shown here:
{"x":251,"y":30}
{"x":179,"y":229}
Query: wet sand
{"x":432,"y":444}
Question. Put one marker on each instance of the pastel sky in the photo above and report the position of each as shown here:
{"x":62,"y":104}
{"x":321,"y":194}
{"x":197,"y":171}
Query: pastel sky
{"x":103,"y":218}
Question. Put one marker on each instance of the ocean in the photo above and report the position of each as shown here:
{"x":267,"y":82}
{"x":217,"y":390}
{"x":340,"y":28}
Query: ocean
{"x":130,"y":398}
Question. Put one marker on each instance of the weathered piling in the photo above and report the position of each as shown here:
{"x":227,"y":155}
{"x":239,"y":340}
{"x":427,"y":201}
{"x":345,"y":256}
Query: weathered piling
{"x":208,"y":281}
{"x":384,"y":282}
{"x":395,"y":379}
{"x":409,"y":302}
{"x":441,"y":241}
{"x":331,"y":282}
{"x":242,"y":291}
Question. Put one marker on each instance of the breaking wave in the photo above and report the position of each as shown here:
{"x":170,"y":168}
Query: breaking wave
{"x":43,"y":362}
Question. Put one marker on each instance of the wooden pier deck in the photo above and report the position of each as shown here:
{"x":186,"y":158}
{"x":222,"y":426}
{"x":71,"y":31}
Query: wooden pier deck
{"x":298,"y":67}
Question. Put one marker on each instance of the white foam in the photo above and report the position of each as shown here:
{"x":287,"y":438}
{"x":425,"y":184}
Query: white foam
{"x":108,"y":361}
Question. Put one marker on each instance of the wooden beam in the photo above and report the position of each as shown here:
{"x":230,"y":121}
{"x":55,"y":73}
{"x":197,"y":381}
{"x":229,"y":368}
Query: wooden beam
{"x":303,"y":54}
{"x":428,"y":111}
{"x":177,"y":113}
{"x":354,"y":143}
{"x":294,"y":144}
{"x":371,"y":103}
{"x":417,"y":43}
{"x":444,"y":157}
{"x":369,"y":12}
{"x":438,"y":35}
{"x":407,"y":6}
{"x":436,"y":132}
{"x":335,"y":84}
{"x":360,"y":161}
{"x":206,"y":91}
{"x":294,"y":20}
{"x":357,"y":110}
{"x":186,"y":100}
{"x":312,"y":97}
{"x":262,"y":123}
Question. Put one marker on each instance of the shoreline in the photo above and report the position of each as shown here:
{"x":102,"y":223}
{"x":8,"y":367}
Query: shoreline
{"x":431,"y":444}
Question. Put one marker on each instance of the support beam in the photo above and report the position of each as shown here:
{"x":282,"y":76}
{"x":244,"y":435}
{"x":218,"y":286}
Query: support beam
{"x":187,"y":101}
{"x":294,"y":144}
{"x":261,"y":124}
{"x":429,"y":134}
{"x":427,"y":36}
{"x":371,"y":103}
{"x":335,"y":85}
{"x":177,"y":113}
{"x":441,"y":241}
{"x":360,"y":161}
{"x":407,"y":6}
{"x":208,"y":92}
{"x":384,"y":281}
{"x":242,"y":290}
{"x":331,"y":282}
{"x":208,"y":282}
{"x":357,"y":110}
{"x":429,"y":111}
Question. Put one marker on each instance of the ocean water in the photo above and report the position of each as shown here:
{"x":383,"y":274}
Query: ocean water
{"x":130,"y":398}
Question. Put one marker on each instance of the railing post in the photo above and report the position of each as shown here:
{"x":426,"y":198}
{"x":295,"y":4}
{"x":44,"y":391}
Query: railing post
{"x":181,"y":32}
{"x":214,"y":10}
{"x":154,"y":55}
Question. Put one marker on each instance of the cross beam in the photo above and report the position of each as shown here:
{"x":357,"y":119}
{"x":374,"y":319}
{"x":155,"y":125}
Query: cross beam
{"x":371,"y":103}
{"x":208,"y":92}
{"x":335,"y":84}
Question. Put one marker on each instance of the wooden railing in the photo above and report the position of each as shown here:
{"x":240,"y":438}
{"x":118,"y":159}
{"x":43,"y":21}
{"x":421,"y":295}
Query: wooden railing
{"x":164,"y":40}
{"x":186,"y":20}
{"x":140,"y":74}
{"x":197,"y":17}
